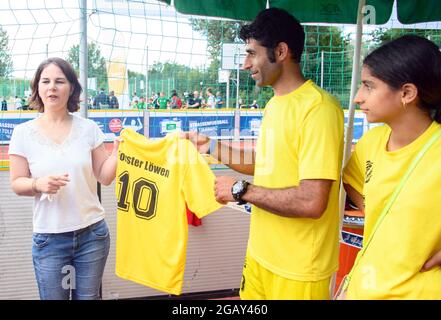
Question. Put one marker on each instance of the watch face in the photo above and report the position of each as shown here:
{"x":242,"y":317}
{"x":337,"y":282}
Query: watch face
{"x":237,"y":187}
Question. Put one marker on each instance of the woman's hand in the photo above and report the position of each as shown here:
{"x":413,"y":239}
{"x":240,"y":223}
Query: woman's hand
{"x":116,"y":143}
{"x":51,"y":184}
{"x":200,"y":141}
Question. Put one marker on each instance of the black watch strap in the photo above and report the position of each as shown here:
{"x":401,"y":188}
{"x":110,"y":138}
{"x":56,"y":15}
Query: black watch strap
{"x":238,"y":196}
{"x":241,"y":202}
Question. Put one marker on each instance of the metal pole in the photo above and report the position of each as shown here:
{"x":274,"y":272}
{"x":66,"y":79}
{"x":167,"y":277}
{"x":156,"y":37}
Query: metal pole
{"x":322,"y":68}
{"x":237,"y":83}
{"x":354,"y":81}
{"x":351,"y":112}
{"x":227,"y":105}
{"x":83,"y":55}
{"x":147,"y":75}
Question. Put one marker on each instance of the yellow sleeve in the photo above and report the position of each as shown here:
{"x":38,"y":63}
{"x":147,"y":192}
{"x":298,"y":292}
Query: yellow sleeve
{"x":321,"y":144}
{"x":353,"y":173}
{"x":198,"y":186}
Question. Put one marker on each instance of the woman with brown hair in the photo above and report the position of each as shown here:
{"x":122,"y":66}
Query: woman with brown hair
{"x":58,"y":158}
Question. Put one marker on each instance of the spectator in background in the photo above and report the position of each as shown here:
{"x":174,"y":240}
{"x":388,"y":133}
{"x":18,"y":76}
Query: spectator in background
{"x":134,"y":98}
{"x":155,"y":100}
{"x":254,"y":105}
{"x":24,"y":104}
{"x":142,"y":105}
{"x":28,"y":102}
{"x":17,"y":103}
{"x":135,"y":103}
{"x":211,"y":100}
{"x":188,"y":96}
{"x":175,"y":101}
{"x":242,"y":105}
{"x":219,"y":100}
{"x":101,"y":100}
{"x":4,"y":105}
{"x":90,"y":102}
{"x":113,"y":100}
{"x":195,"y":101}
{"x":150,"y":104}
{"x":163,"y":102}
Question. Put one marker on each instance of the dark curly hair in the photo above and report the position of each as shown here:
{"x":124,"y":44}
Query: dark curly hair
{"x":71,"y":76}
{"x":272,"y":26}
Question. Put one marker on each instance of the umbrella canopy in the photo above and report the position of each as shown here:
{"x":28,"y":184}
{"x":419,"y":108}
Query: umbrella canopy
{"x":327,"y":11}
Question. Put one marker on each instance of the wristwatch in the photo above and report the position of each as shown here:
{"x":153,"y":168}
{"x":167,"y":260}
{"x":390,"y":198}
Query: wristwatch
{"x":238,"y":189}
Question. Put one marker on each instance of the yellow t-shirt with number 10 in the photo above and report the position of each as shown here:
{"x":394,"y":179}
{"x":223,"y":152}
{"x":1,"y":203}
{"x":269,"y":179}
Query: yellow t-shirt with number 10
{"x":154,"y":182}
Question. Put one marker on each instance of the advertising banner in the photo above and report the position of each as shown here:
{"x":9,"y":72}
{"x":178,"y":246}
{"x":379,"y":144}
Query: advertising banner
{"x":112,"y":123}
{"x":214,"y":124}
{"x":352,"y":239}
{"x":250,"y":122}
{"x":8,"y":121}
{"x":217,"y":124}
{"x":360,"y":125}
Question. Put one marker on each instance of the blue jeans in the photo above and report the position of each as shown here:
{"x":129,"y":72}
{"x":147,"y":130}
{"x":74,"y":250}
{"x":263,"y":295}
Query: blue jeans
{"x":71,"y":264}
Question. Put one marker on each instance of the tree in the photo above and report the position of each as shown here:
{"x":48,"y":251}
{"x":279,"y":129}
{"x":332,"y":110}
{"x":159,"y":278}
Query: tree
{"x":337,"y":64}
{"x":382,"y":35}
{"x":317,"y":39}
{"x":5,"y":55}
{"x":135,"y":79}
{"x":96,"y":63}
{"x":217,"y":32}
{"x":330,"y":39}
{"x":174,"y":76}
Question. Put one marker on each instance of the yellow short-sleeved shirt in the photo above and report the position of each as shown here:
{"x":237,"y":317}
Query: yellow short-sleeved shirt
{"x":411,"y":231}
{"x":301,"y":137}
{"x":154,"y":182}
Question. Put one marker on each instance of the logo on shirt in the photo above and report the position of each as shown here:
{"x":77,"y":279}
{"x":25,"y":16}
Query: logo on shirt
{"x":369,"y":167}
